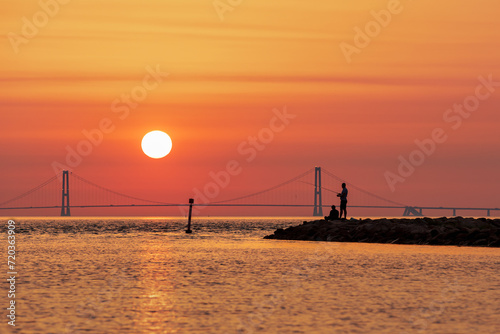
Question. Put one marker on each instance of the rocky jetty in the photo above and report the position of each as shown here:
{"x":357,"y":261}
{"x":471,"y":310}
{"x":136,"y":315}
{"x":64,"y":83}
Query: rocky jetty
{"x":457,"y":231}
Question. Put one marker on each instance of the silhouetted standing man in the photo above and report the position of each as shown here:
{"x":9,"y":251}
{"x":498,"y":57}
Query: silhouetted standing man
{"x":343,"y":201}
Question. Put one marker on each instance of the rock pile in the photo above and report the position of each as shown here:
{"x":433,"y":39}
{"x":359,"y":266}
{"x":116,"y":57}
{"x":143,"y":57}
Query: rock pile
{"x":457,"y":231}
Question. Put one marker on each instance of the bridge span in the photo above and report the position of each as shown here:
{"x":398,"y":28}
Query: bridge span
{"x":293,"y":193}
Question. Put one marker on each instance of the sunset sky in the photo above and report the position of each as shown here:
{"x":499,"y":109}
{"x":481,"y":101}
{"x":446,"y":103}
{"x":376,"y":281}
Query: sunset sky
{"x":354,"y":113}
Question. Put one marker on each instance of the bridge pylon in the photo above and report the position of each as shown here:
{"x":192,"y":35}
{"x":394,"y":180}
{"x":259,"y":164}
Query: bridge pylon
{"x":318,"y":199}
{"x":65,"y":195}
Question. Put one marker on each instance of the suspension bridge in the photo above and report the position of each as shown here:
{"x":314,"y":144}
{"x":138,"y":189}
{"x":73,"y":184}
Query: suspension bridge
{"x":311,"y":189}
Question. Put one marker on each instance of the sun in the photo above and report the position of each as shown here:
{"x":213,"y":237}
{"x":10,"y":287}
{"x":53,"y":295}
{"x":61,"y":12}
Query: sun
{"x":156,"y":144}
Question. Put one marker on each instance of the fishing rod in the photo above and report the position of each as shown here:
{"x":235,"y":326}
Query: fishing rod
{"x":312,"y":184}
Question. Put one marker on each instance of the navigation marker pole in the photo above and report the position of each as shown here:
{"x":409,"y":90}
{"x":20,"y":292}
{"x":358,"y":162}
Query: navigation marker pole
{"x":191,"y":201}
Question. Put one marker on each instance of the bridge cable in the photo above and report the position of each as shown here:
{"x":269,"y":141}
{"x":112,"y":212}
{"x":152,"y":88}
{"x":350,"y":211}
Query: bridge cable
{"x":267,"y":190}
{"x":115,"y":192}
{"x":32,"y":190}
{"x":362,"y":190}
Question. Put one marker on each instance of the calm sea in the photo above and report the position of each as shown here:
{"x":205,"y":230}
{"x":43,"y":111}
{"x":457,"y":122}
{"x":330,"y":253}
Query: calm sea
{"x":145,"y":275}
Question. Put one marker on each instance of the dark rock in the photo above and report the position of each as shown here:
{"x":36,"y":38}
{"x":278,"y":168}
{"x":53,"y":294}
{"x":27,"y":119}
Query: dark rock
{"x":421,"y":231}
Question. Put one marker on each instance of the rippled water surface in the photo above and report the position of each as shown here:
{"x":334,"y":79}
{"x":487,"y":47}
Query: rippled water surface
{"x":145,"y":275}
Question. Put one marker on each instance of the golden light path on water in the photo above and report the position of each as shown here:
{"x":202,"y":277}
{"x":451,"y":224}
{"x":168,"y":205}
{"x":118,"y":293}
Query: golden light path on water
{"x":145,"y":275}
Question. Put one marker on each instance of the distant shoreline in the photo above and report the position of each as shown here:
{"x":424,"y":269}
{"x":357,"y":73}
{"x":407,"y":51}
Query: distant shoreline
{"x":456,"y":231}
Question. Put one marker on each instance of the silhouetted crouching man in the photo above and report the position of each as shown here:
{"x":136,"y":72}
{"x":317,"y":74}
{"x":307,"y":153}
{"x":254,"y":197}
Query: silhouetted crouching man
{"x":334,"y":214}
{"x":343,"y":201}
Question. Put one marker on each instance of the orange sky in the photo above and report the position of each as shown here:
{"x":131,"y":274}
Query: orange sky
{"x":354,"y":117}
